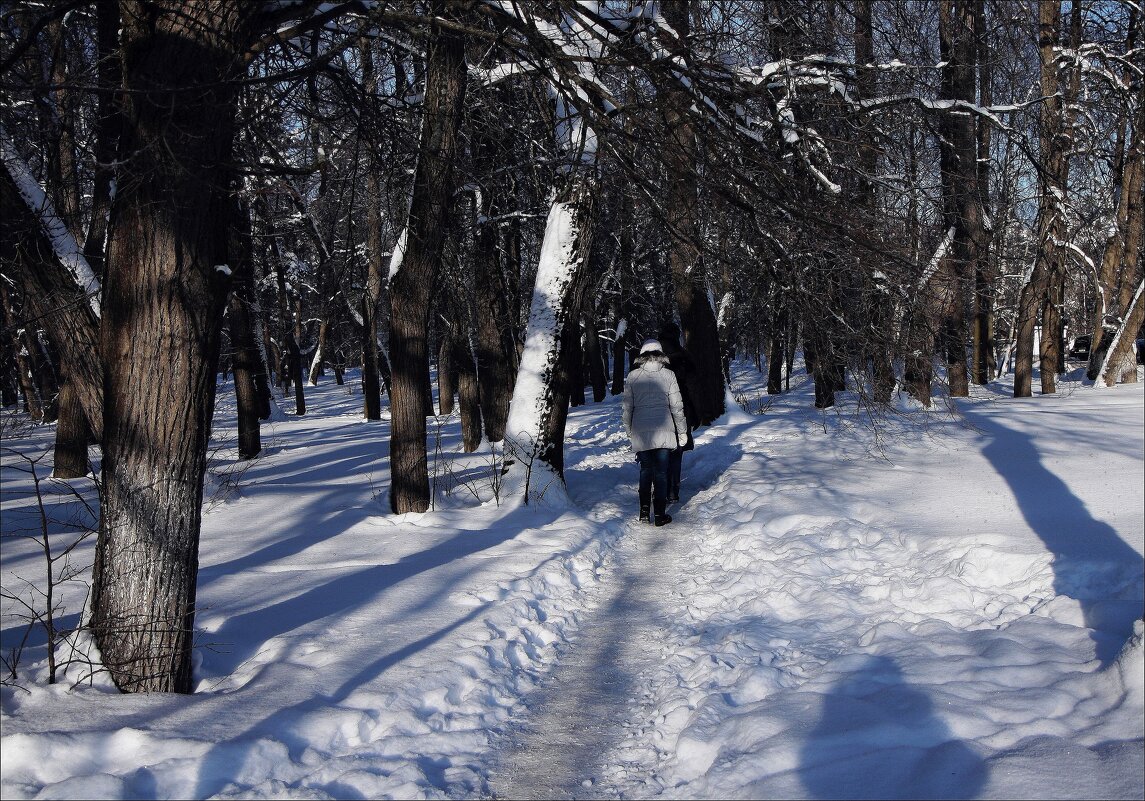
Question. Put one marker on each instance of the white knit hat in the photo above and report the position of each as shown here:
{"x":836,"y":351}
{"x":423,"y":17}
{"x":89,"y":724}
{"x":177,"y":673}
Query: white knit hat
{"x":650,"y":345}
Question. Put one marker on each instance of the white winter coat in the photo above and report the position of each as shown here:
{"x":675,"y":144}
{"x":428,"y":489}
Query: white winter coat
{"x":653,"y":406}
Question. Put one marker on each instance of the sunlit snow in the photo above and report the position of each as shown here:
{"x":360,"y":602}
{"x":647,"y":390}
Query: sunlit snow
{"x":946,"y":604}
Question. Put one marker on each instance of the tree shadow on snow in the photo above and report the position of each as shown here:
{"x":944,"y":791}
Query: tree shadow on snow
{"x":1092,"y":564}
{"x":878,"y":737}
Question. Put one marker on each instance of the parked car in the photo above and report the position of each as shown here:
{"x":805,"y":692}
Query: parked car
{"x":1079,"y":347}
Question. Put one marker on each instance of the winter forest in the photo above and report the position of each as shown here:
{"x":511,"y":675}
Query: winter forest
{"x":481,"y":208}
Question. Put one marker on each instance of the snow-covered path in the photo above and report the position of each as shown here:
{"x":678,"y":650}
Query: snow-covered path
{"x":581,"y":713}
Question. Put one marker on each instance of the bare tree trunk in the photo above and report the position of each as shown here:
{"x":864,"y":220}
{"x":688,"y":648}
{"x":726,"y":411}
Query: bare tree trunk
{"x":1121,"y":266}
{"x":962,"y":199}
{"x":595,"y":360}
{"x":55,"y":298}
{"x":540,"y":405}
{"x":701,"y":338}
{"x":411,"y":286}
{"x":985,"y":274}
{"x":876,"y":298}
{"x":1056,"y":123}
{"x":372,"y":294}
{"x":464,"y":372}
{"x":17,"y":331}
{"x":778,"y":342}
{"x":252,"y":388}
{"x":1119,"y":363}
{"x":160,"y":332}
{"x":70,"y":456}
{"x":446,"y":372}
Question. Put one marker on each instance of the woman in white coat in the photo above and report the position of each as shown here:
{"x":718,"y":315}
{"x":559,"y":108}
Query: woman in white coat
{"x":654,"y":419}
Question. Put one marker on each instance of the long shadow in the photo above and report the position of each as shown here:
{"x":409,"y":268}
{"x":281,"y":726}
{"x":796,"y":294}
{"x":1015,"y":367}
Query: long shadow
{"x":878,"y":737}
{"x":226,"y":759}
{"x":1092,"y":563}
{"x":245,"y":632}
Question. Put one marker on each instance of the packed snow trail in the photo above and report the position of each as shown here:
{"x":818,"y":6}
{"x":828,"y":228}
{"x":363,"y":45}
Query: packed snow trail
{"x":581,"y":713}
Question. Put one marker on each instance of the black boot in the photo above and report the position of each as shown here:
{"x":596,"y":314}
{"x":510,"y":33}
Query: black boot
{"x":663,"y":520}
{"x":662,"y":516}
{"x":645,"y":497}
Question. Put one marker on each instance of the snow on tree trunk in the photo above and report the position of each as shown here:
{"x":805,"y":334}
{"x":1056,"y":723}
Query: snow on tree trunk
{"x":55,"y":294}
{"x":1119,"y":359}
{"x":67,"y":250}
{"x":529,"y":431}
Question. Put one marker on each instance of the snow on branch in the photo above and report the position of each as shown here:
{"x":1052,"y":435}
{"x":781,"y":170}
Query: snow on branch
{"x":64,"y":245}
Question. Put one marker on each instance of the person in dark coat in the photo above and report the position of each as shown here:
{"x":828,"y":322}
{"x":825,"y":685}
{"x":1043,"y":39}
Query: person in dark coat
{"x":681,"y":365}
{"x":653,"y":416}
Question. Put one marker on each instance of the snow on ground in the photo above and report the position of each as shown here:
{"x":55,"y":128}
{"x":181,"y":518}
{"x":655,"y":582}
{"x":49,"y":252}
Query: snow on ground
{"x":947,"y":603}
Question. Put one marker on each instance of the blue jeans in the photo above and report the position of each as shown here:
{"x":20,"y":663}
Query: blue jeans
{"x":654,"y":479}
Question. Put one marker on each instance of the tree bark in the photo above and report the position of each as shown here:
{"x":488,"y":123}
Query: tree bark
{"x":1056,"y":122}
{"x":1119,"y":363}
{"x":1121,"y":259}
{"x":962,"y":210}
{"x":412,"y":285}
{"x":985,"y":274}
{"x":53,"y":297}
{"x":540,"y":404}
{"x":372,"y":294}
{"x":252,"y":387}
{"x":160,"y":332}
{"x":697,"y":319}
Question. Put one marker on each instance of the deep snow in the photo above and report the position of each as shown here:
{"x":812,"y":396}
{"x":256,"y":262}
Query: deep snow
{"x":916,"y":604}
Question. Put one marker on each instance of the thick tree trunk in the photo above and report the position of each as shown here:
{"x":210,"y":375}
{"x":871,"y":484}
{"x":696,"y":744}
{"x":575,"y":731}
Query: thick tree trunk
{"x":1122,"y":250}
{"x":411,"y":287}
{"x":698,"y":320}
{"x":962,"y":198}
{"x":537,"y":415}
{"x":1056,"y":136}
{"x":1119,"y":364}
{"x":160,"y":332}
{"x":495,"y":339}
{"x":70,"y":457}
{"x":496,"y":270}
